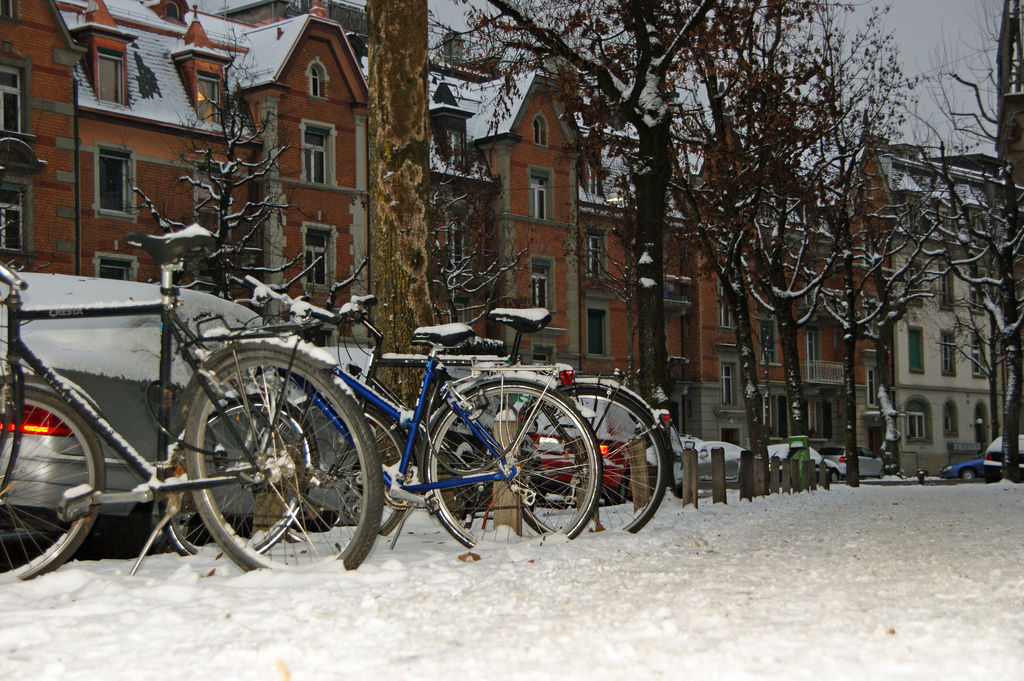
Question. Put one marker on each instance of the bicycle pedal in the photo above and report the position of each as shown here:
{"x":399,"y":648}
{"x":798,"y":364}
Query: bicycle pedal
{"x":76,"y":503}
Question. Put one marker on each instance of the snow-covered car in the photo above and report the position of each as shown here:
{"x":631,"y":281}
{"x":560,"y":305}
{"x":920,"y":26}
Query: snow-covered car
{"x":784,"y":451}
{"x":113,"y":360}
{"x":732,"y":460}
{"x":994,"y":459}
{"x":870,"y":464}
{"x":964,"y":470}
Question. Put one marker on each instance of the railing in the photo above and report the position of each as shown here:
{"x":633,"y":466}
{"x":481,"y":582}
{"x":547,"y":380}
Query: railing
{"x":823,"y":372}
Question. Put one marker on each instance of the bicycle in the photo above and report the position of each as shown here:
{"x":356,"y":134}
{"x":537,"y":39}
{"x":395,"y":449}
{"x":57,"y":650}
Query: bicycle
{"x":269,"y":449}
{"x":634,"y":442}
{"x":500,"y":459}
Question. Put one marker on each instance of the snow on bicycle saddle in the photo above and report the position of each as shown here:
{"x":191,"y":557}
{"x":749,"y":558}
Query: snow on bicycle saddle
{"x":529,"y":320}
{"x":168,"y":249}
{"x":445,"y":335}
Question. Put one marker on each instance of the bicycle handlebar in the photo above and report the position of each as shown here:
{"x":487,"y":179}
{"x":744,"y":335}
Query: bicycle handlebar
{"x":9,"y":277}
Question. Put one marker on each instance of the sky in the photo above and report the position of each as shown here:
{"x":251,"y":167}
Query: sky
{"x":887,"y":581}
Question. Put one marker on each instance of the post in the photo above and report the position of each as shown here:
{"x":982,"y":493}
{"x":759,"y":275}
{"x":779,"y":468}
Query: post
{"x":746,"y":475}
{"x":639,"y":474}
{"x":805,"y":469}
{"x":507,"y":508}
{"x":812,"y":476}
{"x":718,"y":495}
{"x":759,"y":481}
{"x":823,"y":475}
{"x":689,"y":482}
{"x":785,"y":471}
{"x":774,"y":475}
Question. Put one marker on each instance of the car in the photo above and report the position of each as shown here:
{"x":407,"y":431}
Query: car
{"x":965,"y":470}
{"x":733,"y":452}
{"x":784,"y":451}
{"x":994,"y":459}
{"x":869,"y":464}
{"x":679,"y":443}
{"x":114,"y":360}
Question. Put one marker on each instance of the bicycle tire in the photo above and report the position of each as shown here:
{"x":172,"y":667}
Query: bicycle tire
{"x":315,"y":491}
{"x":389,"y":440}
{"x":33,"y":540}
{"x":630,"y":438}
{"x":557,"y":458}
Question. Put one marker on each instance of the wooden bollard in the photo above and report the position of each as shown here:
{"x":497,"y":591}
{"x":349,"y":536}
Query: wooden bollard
{"x":823,"y":475}
{"x":759,"y":477}
{"x":689,"y":482}
{"x":786,"y":477}
{"x":718,"y":476}
{"x":773,"y":475}
{"x":746,"y":475}
{"x":812,"y":476}
{"x":806,"y":466}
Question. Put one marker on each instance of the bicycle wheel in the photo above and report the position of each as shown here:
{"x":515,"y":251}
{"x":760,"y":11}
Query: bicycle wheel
{"x":58,"y":451}
{"x":559,"y":468}
{"x":308,"y":483}
{"x":389,"y":440}
{"x":636,"y":457}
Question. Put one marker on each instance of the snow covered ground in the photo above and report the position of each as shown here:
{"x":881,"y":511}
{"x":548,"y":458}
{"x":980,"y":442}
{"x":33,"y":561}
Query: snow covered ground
{"x":884,"y":582}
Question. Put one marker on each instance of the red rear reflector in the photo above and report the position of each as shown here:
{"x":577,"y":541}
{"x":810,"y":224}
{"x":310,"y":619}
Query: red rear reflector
{"x":38,"y":421}
{"x":605,"y":450}
{"x":567,"y":377}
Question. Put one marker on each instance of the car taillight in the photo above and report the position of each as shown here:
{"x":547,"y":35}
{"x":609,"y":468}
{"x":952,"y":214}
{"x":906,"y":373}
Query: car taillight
{"x":842,"y":459}
{"x":567,"y":377}
{"x":991,"y":456}
{"x":38,"y":421}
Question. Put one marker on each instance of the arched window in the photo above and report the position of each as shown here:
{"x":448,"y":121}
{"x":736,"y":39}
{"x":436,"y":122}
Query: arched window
{"x":540,"y":131}
{"x":981,"y":423}
{"x":317,"y":80}
{"x":950,"y":422}
{"x":172,"y":11}
{"x":918,"y":427}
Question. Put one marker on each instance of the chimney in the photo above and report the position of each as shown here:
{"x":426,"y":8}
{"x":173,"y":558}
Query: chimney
{"x":318,"y":9}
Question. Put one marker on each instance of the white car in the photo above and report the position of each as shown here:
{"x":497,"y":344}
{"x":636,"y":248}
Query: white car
{"x":994,"y":459}
{"x":784,"y":451}
{"x":732,"y":460}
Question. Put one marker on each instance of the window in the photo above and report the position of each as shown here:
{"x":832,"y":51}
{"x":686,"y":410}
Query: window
{"x":980,"y":423}
{"x":947,"y":350}
{"x":539,"y":280}
{"x":724,"y":311}
{"x":782,"y":416}
{"x":977,"y":292}
{"x":455,"y":245}
{"x":950,"y":427}
{"x":317,"y":80}
{"x":208,"y":97}
{"x":812,"y":344}
{"x":113,"y":181}
{"x":539,"y":181}
{"x":946,"y":290}
{"x":541,"y":355}
{"x":11,"y":218}
{"x":768,"y":341}
{"x":915,"y":351}
{"x":977,"y":357}
{"x":813,"y":419}
{"x":10,"y":100}
{"x":594,"y":185}
{"x":172,"y":12}
{"x":110,"y":76}
{"x":595,"y":331}
{"x":316,"y":253}
{"x":110,"y":267}
{"x":540,"y":131}
{"x":595,"y":254}
{"x":728,"y":389}
{"x":7,"y":8}
{"x":872,"y":386}
{"x":315,"y":166}
{"x":917,"y":420}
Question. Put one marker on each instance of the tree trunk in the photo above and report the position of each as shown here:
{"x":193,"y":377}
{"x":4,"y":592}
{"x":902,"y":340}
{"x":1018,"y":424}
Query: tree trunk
{"x":652,"y":180}
{"x":399,"y":177}
{"x":850,"y":407}
{"x":752,"y":401}
{"x":1012,"y":405}
{"x":883,"y":374}
{"x":789,"y":346}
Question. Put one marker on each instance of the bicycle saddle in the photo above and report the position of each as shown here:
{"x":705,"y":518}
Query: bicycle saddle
{"x":445,"y":335}
{"x":530,"y":320}
{"x":171,"y":249}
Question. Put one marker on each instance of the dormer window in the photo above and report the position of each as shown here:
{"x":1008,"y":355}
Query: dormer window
{"x":172,"y":12}
{"x":317,"y":80}
{"x":208,"y":96}
{"x":110,"y":76}
{"x":540,"y":131}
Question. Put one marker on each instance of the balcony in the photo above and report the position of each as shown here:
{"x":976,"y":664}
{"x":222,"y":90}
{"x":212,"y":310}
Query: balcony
{"x":830,"y":373}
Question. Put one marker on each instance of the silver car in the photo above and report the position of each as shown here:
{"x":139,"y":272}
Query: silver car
{"x":869,"y":464}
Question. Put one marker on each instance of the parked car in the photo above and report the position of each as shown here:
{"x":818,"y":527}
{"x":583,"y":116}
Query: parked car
{"x":113,"y":360}
{"x":732,"y":460}
{"x":870,"y":464}
{"x":965,"y":470}
{"x":679,"y":443}
{"x":784,"y":452}
{"x":994,"y":459}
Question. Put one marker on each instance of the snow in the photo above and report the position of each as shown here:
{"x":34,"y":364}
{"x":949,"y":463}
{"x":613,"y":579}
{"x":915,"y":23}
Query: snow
{"x":910,"y":582}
